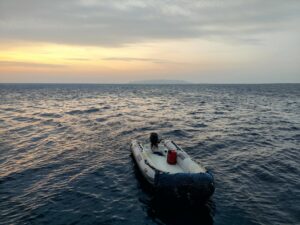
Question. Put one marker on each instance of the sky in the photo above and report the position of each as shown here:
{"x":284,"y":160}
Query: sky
{"x":119,"y":41}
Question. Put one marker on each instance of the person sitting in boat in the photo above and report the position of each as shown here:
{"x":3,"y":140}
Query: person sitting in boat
{"x":154,"y":140}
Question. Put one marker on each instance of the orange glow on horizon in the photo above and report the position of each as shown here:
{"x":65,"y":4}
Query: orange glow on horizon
{"x":130,"y":62}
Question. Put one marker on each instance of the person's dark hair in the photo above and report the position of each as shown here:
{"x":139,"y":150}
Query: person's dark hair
{"x":154,"y":139}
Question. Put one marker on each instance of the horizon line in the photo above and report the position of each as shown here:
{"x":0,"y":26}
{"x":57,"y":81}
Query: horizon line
{"x":130,"y":83}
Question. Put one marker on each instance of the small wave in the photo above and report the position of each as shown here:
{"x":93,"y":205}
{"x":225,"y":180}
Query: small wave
{"x":265,"y":175}
{"x":291,"y":128}
{"x":177,"y":133}
{"x":217,"y":146}
{"x":106,"y":107}
{"x":74,"y":112}
{"x":52,"y":115}
{"x":136,"y":130}
{"x":199,"y":125}
{"x":39,"y":137}
{"x":51,"y":122}
{"x":92,"y":110}
{"x":77,"y":112}
{"x":193,"y":113}
{"x":254,"y":134}
{"x":14,"y":110}
{"x":101,"y":119}
{"x":117,"y":115}
{"x":22,"y":129}
{"x":25,"y":119}
{"x":49,"y":143}
{"x":296,"y":137}
{"x":294,"y":128}
{"x":6,"y":178}
{"x":165,"y":124}
{"x":265,"y":143}
{"x":219,"y":112}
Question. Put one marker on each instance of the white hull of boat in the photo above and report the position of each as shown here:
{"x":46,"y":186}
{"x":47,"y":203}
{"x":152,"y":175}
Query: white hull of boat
{"x":160,"y":173}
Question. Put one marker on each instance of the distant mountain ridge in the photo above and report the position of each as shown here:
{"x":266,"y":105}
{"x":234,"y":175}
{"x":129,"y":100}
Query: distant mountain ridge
{"x":160,"y":82}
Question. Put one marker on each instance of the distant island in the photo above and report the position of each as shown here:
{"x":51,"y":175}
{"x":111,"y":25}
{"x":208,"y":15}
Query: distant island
{"x":160,"y":82}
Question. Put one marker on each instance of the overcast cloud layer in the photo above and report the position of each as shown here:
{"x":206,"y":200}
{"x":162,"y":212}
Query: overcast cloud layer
{"x":119,"y":22}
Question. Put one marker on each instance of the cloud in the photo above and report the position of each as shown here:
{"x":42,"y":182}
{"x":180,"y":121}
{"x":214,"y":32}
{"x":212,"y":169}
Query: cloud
{"x":120,"y":22}
{"x":130,"y":59}
{"x":77,"y":59}
{"x":30,"y":65}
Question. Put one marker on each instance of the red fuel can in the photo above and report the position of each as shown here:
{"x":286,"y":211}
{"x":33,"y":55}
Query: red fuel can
{"x":172,"y":157}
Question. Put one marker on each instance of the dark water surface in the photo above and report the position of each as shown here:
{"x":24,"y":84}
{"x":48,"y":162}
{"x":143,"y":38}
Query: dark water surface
{"x":64,"y":151}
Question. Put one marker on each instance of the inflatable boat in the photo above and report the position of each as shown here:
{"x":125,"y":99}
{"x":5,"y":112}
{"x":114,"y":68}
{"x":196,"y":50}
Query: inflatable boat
{"x":171,"y":171}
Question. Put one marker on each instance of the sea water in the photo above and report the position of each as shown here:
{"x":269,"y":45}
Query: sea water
{"x":65,"y":155}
